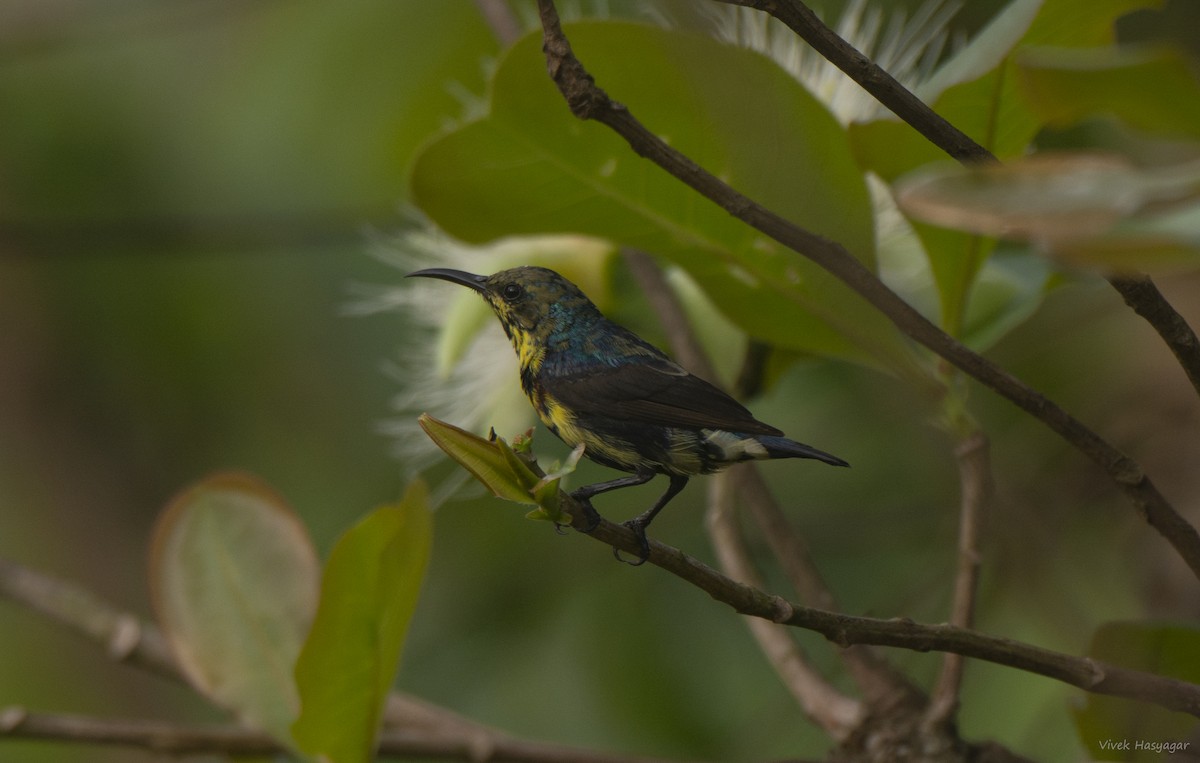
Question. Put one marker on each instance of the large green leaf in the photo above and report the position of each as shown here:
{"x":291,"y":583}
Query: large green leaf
{"x":368,"y":595}
{"x":1150,"y":89}
{"x":984,"y":103}
{"x":234,"y":581}
{"x":1122,"y":729}
{"x":531,"y":167}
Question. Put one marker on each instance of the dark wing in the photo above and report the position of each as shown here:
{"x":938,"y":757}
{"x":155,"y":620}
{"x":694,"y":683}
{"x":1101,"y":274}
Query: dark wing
{"x":654,"y":392}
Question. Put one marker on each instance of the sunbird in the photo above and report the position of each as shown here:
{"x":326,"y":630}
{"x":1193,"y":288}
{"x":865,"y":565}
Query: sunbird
{"x":599,"y":384}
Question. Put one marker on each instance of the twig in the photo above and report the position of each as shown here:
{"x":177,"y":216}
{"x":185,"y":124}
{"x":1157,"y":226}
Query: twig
{"x":187,"y":739}
{"x":881,"y":85}
{"x":588,"y":101}
{"x":833,"y":711}
{"x":125,"y":637}
{"x":847,"y":630}
{"x":407,"y":719}
{"x":974,"y":465}
{"x":882,"y":685}
{"x":1140,"y":293}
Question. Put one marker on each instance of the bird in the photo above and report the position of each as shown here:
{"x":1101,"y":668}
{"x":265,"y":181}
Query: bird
{"x":596,"y":383}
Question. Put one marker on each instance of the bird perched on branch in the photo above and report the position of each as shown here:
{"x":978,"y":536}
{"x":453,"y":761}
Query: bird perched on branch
{"x":633,"y":408}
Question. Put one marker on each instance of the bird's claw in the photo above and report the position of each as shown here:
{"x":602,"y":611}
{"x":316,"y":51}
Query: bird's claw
{"x":590,"y":515}
{"x":639,"y":530}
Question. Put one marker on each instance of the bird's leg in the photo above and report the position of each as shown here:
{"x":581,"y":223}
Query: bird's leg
{"x":584,"y":494}
{"x":639,"y":523}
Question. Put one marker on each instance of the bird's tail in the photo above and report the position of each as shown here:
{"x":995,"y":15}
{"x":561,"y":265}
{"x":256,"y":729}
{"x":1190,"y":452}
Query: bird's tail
{"x":782,"y":447}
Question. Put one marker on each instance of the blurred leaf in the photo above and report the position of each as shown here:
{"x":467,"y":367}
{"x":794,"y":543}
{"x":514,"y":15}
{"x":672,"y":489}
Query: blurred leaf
{"x":487,"y":460}
{"x":1152,"y":243}
{"x":1168,"y":650}
{"x":1007,"y":292}
{"x":1154,"y":90}
{"x":1042,"y":196}
{"x":233,"y":578}
{"x":984,"y":103}
{"x":1070,"y":203}
{"x":368,"y":595}
{"x":530,"y":167}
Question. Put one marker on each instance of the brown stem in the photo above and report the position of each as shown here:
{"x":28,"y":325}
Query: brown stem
{"x":975,"y":476}
{"x":881,"y":85}
{"x":833,"y":711}
{"x":848,"y":630}
{"x":1140,"y":293}
{"x":881,"y":684}
{"x":588,"y":101}
{"x":188,"y":739}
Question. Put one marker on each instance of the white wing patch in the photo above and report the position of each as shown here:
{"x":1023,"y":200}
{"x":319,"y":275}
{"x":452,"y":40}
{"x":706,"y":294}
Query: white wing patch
{"x":734,"y":447}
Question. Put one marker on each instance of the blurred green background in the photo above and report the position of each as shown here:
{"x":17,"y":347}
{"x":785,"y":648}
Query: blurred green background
{"x":187,"y":195}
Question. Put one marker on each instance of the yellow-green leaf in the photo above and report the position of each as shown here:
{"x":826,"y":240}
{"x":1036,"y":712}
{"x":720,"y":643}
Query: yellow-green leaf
{"x":368,"y":595}
{"x":507,"y":478}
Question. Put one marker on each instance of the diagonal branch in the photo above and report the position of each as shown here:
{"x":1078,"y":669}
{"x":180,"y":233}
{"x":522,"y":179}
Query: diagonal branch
{"x":588,"y":101}
{"x":833,"y":711}
{"x":1138,"y":291}
{"x":412,"y":726}
{"x":848,"y":630}
{"x":975,"y":476}
{"x":177,"y":739}
{"x":875,"y":80}
{"x":880,"y":682}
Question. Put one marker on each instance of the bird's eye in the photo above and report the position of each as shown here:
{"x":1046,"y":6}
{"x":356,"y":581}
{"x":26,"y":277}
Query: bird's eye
{"x":512,"y":292}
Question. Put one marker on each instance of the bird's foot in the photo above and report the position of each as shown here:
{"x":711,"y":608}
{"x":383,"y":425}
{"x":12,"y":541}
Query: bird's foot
{"x":639,"y":530}
{"x":590,"y":515}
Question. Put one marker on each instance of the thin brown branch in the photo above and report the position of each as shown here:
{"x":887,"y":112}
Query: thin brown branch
{"x":588,"y":101}
{"x":848,"y":630}
{"x":407,"y":719}
{"x":188,"y":739}
{"x":833,"y":711}
{"x":125,"y":637}
{"x":882,"y":685}
{"x":1140,"y":293}
{"x":881,"y":85}
{"x":975,"y":477}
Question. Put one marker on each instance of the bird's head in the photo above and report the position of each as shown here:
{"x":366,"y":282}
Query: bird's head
{"x":532,"y":303}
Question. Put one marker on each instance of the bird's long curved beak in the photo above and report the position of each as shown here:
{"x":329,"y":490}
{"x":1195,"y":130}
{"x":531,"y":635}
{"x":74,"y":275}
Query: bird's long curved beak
{"x":460,"y":277}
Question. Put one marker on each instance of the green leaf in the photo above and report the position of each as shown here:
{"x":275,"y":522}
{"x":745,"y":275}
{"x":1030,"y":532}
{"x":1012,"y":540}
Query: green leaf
{"x":368,"y":595}
{"x":977,"y":92}
{"x":234,"y":581}
{"x":502,"y":469}
{"x":1149,"y":89}
{"x":530,"y":167}
{"x":1168,"y":650}
{"x":491,"y":461}
{"x":546,"y":491}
